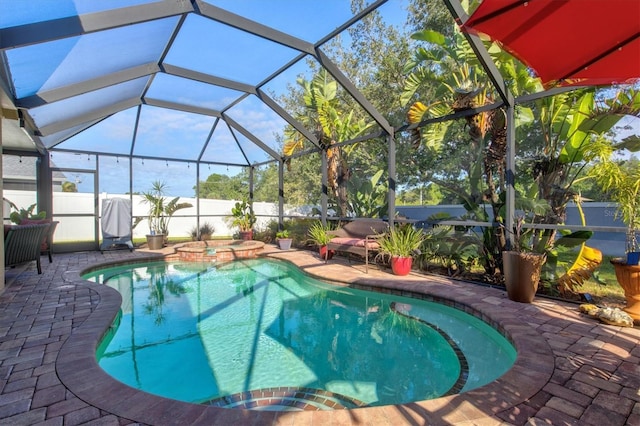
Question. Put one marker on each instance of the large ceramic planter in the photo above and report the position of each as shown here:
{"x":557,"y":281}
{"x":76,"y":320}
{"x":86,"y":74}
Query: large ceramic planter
{"x":628,"y":277}
{"x":401,"y":265}
{"x":522,"y":274}
{"x":284,"y":243}
{"x":155,"y":242}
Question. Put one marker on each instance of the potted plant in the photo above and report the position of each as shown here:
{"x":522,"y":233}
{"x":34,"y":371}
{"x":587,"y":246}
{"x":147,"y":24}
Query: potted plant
{"x":522,"y":264}
{"x":159,"y":214}
{"x":203,"y":233}
{"x":283,"y":239}
{"x":206,"y":231}
{"x":243,"y":217}
{"x":622,"y":182}
{"x":401,"y":243}
{"x":319,"y":235}
{"x":20,"y":214}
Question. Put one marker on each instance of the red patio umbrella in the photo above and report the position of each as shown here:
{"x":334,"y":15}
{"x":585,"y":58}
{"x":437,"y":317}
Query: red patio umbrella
{"x":566,"y":42}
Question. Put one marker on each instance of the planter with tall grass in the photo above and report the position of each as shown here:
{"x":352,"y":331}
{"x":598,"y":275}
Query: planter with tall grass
{"x":400,"y":244}
{"x":319,"y":235}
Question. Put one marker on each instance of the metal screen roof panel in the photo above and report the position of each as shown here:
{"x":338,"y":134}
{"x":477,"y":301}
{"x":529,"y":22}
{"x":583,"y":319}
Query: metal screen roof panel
{"x":59,"y":63}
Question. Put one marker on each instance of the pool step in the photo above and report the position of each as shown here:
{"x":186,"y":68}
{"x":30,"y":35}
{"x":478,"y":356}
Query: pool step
{"x":287,"y":399}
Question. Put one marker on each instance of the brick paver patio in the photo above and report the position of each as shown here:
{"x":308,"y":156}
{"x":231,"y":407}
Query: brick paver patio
{"x":570,"y":368}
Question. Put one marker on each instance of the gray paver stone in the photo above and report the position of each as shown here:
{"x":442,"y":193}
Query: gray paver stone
{"x":598,"y":416}
{"x":614,"y":403}
{"x":81,"y":416}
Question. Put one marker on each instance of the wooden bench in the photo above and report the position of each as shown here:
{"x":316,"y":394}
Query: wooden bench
{"x":22,"y":244}
{"x":357,"y":237}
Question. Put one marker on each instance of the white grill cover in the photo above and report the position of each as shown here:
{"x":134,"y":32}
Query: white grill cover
{"x":116,"y":223}
{"x":116,"y":218}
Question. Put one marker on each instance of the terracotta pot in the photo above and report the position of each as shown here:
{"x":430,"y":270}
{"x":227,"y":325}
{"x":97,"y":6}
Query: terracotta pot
{"x":323,"y":252}
{"x":155,"y":242}
{"x":628,"y":277}
{"x":522,"y":274}
{"x":284,"y":243}
{"x":401,"y":265}
{"x":246,"y":235}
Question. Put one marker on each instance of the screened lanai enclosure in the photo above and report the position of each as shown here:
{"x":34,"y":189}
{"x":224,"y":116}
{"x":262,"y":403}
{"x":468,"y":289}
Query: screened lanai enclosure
{"x":334,"y":109}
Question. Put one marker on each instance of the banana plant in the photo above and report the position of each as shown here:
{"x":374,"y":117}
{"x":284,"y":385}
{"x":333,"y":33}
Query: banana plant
{"x":369,"y":197}
{"x":332,"y":122}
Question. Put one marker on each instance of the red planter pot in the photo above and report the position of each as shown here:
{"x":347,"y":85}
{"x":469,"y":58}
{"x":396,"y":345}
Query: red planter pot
{"x":323,"y":253}
{"x":401,"y":265}
{"x":246,"y":235}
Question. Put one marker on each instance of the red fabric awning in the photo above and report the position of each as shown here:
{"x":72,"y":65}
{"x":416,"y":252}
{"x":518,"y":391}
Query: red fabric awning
{"x":566,"y":42}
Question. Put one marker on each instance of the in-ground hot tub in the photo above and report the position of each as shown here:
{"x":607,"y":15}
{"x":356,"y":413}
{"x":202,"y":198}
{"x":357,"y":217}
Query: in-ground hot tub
{"x":216,"y":250}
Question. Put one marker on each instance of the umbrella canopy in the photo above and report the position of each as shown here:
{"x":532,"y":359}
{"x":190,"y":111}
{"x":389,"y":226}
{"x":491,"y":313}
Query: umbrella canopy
{"x":566,"y":42}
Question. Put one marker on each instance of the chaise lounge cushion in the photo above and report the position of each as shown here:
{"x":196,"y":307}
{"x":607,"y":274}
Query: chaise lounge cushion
{"x":358,"y":237}
{"x":356,"y":242}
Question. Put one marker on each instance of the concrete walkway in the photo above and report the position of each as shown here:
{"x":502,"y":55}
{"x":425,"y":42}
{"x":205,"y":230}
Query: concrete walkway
{"x":570,"y":368}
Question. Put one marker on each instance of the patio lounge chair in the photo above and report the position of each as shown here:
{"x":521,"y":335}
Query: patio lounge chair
{"x":45,"y":247}
{"x":47,"y":240}
{"x":22,"y":244}
{"x":358,"y":237}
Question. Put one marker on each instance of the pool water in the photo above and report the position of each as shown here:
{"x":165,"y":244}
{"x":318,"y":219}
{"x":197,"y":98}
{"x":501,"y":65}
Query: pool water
{"x":262,"y":334}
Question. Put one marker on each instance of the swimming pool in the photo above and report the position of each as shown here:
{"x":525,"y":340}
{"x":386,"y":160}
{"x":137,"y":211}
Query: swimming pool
{"x":242,"y":333}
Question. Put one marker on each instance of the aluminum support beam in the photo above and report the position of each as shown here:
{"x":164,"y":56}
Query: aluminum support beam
{"x":40,"y":32}
{"x":182,"y":107}
{"x":253,"y":27}
{"x":287,"y":117}
{"x":280,"y":194}
{"x":42,"y":98}
{"x":251,"y":179}
{"x":460,"y":16}
{"x":545,"y":94}
{"x":510,"y":178}
{"x":353,"y":91}
{"x":324,"y":195}
{"x":208,"y":141}
{"x":208,"y":78}
{"x":391,"y":165}
{"x":251,"y":136}
{"x":95,"y":115}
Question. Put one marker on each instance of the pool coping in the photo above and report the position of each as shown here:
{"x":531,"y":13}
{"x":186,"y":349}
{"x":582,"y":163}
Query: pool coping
{"x":79,"y":371}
